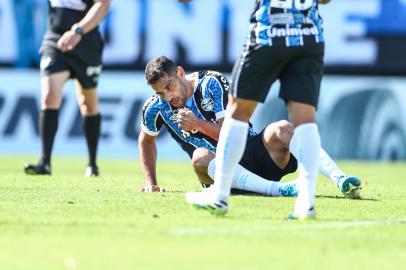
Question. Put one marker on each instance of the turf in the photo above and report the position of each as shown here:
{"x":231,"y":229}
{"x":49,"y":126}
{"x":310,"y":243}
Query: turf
{"x":70,"y":222}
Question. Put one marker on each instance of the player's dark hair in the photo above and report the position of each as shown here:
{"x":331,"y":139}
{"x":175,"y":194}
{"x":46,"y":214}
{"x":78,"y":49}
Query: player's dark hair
{"x":158,"y":67}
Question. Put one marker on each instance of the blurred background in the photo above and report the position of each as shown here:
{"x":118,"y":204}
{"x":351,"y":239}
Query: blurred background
{"x":361,"y":112}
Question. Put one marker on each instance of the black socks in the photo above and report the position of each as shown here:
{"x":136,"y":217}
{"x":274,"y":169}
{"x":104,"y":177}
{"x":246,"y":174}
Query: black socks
{"x":48,"y":125}
{"x":91,"y":129}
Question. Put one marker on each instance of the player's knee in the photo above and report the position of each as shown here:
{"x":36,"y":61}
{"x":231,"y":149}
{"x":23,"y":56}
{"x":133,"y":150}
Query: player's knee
{"x":284,"y":124}
{"x":301,"y":113}
{"x":285,"y":129}
{"x":211,"y":169}
{"x":84,"y":109}
{"x":88,"y":107}
{"x":200,"y":162}
{"x":278,"y":134}
{"x":240,"y":109}
{"x":201,"y":158}
{"x":50,"y":100}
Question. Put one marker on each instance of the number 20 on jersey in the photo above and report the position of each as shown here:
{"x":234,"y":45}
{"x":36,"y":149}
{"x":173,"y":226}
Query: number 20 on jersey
{"x":289,"y":4}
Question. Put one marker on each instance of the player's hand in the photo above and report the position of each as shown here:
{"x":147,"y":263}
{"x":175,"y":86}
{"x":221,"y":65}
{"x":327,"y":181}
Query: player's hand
{"x":187,"y":120}
{"x":68,"y":41}
{"x":152,"y":188}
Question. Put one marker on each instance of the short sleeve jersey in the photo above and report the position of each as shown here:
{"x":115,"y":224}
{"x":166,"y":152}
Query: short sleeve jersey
{"x":286,"y":23}
{"x":208,"y":102}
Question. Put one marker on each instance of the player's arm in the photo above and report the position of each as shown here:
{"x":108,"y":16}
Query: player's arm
{"x":188,"y":121}
{"x":324,"y":1}
{"x":217,"y":90}
{"x":211,"y":129}
{"x":94,"y":16}
{"x":148,"y":156}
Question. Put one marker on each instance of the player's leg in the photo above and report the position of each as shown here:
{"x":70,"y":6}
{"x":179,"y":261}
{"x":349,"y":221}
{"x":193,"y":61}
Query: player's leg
{"x":230,"y":148}
{"x":305,"y":145}
{"x":86,"y":67}
{"x":204,"y":165}
{"x":349,"y":185}
{"x":89,"y":108}
{"x":258,"y":171}
{"x":277,"y":137}
{"x":276,"y":140}
{"x":252,"y":77}
{"x":232,"y":142}
{"x":200,"y":162}
{"x":54,"y":74}
{"x":300,"y":86}
{"x":246,"y":180}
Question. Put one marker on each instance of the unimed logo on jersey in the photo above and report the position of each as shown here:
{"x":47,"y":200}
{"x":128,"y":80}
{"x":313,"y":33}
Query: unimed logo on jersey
{"x":283,"y":32}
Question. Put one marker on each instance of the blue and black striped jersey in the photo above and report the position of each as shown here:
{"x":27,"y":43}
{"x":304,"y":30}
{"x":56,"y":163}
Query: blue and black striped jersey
{"x":208,"y":102}
{"x":286,"y":23}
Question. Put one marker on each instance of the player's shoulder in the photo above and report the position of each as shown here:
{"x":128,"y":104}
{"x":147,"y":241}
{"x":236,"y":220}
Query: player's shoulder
{"x":153,"y":104}
{"x":211,"y":75}
{"x":213,"y":78}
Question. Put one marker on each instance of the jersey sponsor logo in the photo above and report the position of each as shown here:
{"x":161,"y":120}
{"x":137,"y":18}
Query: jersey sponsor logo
{"x":173,"y":117}
{"x":283,"y":18}
{"x":70,"y":4}
{"x":93,"y":70}
{"x":207,"y":104}
{"x":290,"y":18}
{"x":288,"y":32}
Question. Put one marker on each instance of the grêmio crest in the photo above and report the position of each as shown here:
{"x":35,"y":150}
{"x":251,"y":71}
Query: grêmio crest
{"x":207,"y":104}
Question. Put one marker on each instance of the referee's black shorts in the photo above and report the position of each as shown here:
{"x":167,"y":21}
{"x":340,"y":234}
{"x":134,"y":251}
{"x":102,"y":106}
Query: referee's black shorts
{"x":84,"y":62}
{"x":299,"y":70}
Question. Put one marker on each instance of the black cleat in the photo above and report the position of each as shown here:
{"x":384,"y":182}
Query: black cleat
{"x":39,"y":169}
{"x":92,"y":171}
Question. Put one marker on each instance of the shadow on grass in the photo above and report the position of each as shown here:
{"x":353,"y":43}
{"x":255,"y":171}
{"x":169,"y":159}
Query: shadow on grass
{"x":238,"y":192}
{"x":343,"y":198}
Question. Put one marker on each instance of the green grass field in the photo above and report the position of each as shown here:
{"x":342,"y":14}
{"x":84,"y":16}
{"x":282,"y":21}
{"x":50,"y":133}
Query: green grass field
{"x":70,"y":222}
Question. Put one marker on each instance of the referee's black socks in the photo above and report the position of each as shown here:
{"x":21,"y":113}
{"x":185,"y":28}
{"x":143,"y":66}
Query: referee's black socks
{"x":91,"y":129}
{"x":48,"y":125}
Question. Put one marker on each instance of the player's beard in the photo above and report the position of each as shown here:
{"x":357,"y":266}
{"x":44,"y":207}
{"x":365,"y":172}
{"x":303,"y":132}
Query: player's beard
{"x":181,"y":99}
{"x":177,"y":102}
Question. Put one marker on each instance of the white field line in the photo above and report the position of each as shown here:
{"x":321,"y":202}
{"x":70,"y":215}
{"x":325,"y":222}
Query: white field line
{"x":282,"y":226}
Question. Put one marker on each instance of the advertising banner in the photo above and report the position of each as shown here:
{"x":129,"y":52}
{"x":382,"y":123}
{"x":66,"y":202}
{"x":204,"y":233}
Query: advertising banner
{"x":359,"y":117}
{"x":363,"y":36}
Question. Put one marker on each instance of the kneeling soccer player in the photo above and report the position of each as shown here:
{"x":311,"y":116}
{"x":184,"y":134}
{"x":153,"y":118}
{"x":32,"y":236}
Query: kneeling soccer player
{"x":192,"y":108}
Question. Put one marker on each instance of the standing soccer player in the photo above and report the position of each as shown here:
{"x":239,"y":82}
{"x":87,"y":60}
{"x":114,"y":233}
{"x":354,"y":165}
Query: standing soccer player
{"x":286,"y":43}
{"x":72,"y":48}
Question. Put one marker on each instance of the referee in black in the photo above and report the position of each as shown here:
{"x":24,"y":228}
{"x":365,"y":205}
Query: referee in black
{"x":71,"y":48}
